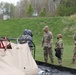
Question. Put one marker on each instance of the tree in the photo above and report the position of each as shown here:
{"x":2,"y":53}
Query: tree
{"x":30,"y":10}
{"x":12,"y":10}
{"x":6,"y":8}
{"x":22,"y":7}
{"x":67,"y":8}
{"x":2,"y":7}
{"x":43,"y":13}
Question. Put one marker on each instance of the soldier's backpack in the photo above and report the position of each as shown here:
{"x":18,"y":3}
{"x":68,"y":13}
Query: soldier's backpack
{"x":23,"y":39}
{"x":26,"y":37}
{"x":30,"y":33}
{"x":29,"y":40}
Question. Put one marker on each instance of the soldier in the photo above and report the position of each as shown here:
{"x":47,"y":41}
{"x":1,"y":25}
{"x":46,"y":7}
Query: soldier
{"x":59,"y":48}
{"x":47,"y":44}
{"x":74,"y":56}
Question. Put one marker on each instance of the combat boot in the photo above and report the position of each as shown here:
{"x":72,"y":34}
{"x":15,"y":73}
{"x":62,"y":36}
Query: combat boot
{"x":73,"y":61}
{"x":52,"y":61}
{"x":45,"y":61}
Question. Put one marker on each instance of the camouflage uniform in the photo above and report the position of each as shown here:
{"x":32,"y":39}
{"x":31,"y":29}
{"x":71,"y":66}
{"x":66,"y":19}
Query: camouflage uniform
{"x":47,"y":44}
{"x":59,"y":46}
{"x":74,"y":56}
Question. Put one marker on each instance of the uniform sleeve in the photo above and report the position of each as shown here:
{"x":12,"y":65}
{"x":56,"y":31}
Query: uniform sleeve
{"x":61,"y":46}
{"x":51,"y":40}
{"x":42,"y":40}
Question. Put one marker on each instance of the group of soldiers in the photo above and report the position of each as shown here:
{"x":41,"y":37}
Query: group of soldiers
{"x":47,"y":42}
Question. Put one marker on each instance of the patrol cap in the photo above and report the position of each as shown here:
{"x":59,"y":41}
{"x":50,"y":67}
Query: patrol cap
{"x":45,"y":27}
{"x":59,"y":35}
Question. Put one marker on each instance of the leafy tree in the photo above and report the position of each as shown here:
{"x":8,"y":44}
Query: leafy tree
{"x":12,"y":10}
{"x":7,"y":8}
{"x":67,"y":7}
{"x":2,"y":6}
{"x":30,"y":10}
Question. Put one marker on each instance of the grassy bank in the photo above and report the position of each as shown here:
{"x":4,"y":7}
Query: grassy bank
{"x":64,"y":25}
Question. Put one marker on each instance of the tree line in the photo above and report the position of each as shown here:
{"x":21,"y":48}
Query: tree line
{"x":42,"y":8}
{"x":66,"y":8}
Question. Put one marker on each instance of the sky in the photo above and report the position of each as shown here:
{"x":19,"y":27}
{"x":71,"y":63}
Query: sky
{"x":10,"y":1}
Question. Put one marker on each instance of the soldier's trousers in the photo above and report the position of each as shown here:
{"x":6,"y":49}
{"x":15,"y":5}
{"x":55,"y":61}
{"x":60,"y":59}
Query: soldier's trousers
{"x":60,"y":57}
{"x":48,"y":51}
{"x":60,"y":61}
{"x":74,"y":56}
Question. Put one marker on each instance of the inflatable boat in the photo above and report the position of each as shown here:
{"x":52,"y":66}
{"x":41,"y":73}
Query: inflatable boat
{"x":16,"y":59}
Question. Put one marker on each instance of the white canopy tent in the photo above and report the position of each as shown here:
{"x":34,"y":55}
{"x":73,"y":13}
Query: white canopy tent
{"x":17,"y":61}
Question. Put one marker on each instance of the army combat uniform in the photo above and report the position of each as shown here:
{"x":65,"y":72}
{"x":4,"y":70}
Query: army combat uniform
{"x":47,"y":44}
{"x":59,"y":50}
{"x":74,"y":50}
{"x":74,"y":55}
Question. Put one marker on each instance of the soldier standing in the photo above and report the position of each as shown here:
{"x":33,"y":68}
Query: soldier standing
{"x":47,"y":44}
{"x":74,"y":56}
{"x":59,"y":48}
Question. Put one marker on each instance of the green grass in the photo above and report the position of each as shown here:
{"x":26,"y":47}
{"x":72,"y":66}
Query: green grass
{"x":64,"y":25}
{"x":67,"y":56}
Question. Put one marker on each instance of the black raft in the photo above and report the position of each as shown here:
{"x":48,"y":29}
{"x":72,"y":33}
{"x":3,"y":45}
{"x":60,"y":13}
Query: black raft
{"x":49,"y":69}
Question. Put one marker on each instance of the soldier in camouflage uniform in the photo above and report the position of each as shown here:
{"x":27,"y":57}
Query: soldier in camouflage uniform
{"x":59,"y":48}
{"x":47,"y":44}
{"x":74,"y":56}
